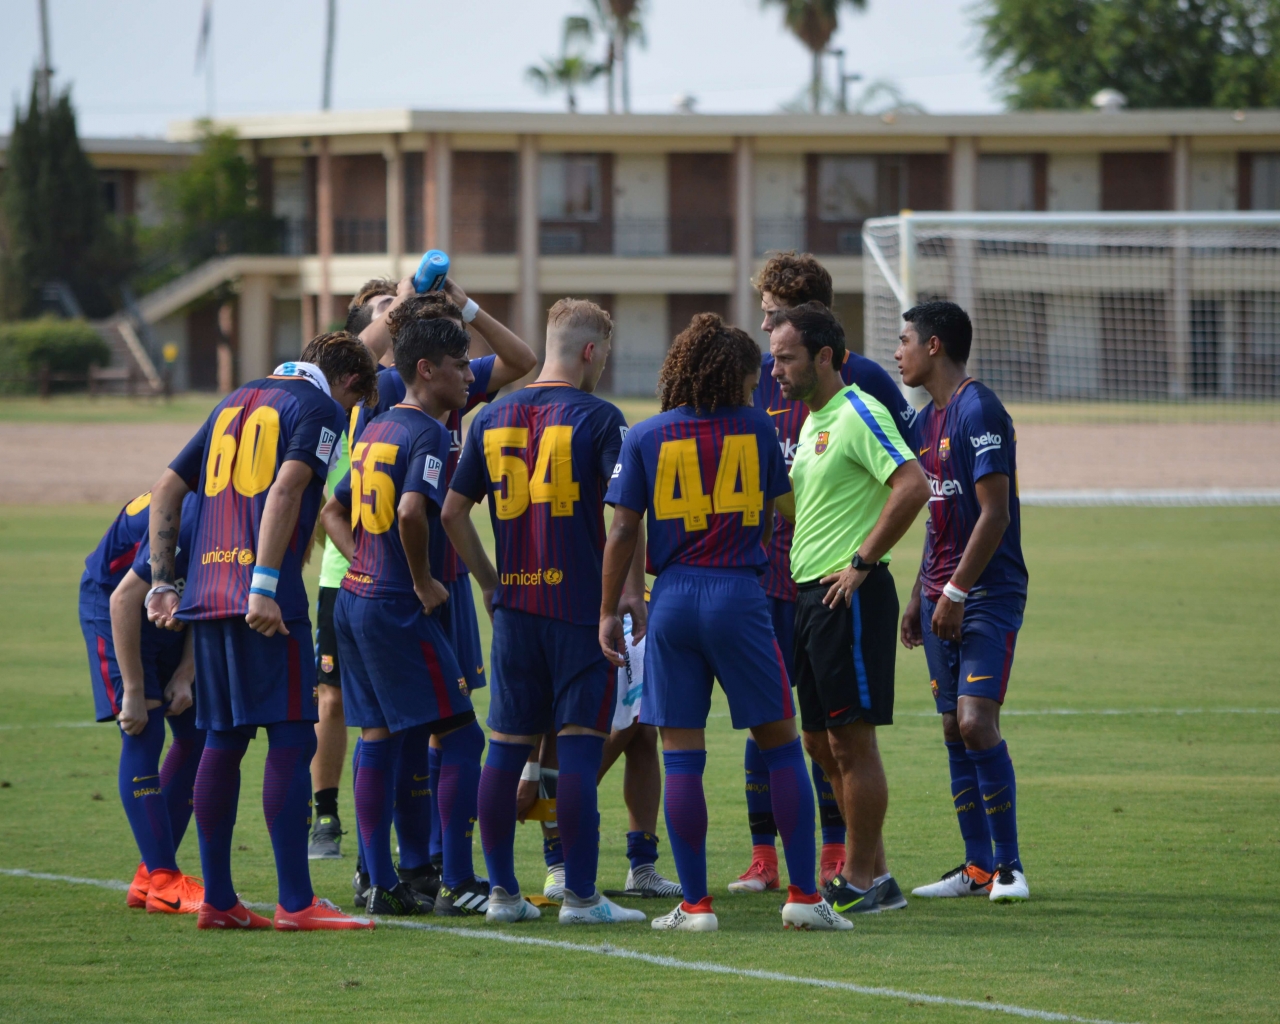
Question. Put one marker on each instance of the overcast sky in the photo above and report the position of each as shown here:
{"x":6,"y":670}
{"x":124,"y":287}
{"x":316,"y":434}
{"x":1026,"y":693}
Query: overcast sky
{"x":130,"y":63}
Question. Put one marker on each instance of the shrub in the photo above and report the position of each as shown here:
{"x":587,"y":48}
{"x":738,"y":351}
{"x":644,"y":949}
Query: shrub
{"x":65,"y":346}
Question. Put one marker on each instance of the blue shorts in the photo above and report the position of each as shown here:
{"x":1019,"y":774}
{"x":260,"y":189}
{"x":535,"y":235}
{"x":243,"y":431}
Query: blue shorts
{"x":977,"y":666}
{"x":707,"y":624}
{"x":161,"y":653}
{"x":783,"y":614}
{"x":548,"y":673}
{"x":458,"y":615}
{"x":246,"y":679}
{"x":398,"y":670}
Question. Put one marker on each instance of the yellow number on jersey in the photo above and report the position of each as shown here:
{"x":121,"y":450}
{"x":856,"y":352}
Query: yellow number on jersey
{"x":737,"y":486}
{"x":377,"y":514}
{"x":553,"y":481}
{"x":508,"y":471}
{"x":255,"y":466}
{"x":222,"y":453}
{"x":679,"y":470}
{"x":357,"y":489}
{"x":138,"y":504}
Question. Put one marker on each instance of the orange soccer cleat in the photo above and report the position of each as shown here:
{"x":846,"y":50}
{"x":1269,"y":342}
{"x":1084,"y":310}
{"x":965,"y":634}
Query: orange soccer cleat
{"x":172,"y":892}
{"x":830,"y":862}
{"x":237,"y":918}
{"x":138,"y":888}
{"x":320,"y":916}
{"x":763,"y":873}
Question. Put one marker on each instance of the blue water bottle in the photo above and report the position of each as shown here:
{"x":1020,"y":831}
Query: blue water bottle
{"x":431,"y":272}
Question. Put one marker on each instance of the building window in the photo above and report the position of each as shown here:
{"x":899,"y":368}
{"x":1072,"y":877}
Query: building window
{"x":848,"y":188}
{"x":1007,"y":183}
{"x":1265,"y":191}
{"x":569,"y":187}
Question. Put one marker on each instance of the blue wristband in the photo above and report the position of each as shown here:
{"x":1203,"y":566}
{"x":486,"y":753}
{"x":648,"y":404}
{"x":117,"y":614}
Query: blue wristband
{"x":265,"y":581}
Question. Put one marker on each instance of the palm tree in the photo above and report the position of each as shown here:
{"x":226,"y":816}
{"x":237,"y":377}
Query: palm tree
{"x":569,"y":71}
{"x":814,"y":22}
{"x":626,"y":26}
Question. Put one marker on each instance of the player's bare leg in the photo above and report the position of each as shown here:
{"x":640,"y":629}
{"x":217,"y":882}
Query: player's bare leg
{"x":642,"y":793}
{"x":818,"y":747}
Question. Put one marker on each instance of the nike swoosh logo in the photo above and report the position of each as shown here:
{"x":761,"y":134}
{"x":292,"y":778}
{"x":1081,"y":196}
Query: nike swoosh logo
{"x":995,"y":794}
{"x":962,"y":792}
{"x":143,"y":778}
{"x":242,"y":924}
{"x":421,"y":778}
{"x":840,"y":908}
{"x":776,"y":412}
{"x":176,"y":904}
{"x":977,"y":679}
{"x":925,"y":448}
{"x":841,"y":711}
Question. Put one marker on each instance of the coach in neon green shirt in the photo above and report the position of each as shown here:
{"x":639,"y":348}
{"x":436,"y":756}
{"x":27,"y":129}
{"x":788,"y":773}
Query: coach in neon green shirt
{"x":857,"y":488}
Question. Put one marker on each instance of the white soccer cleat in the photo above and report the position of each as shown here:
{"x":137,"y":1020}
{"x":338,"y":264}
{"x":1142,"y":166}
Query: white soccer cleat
{"x":504,"y":908}
{"x":811,"y":913}
{"x":965,"y":880}
{"x":553,"y":887}
{"x":696,"y":917}
{"x":597,"y":910}
{"x":1009,"y":885}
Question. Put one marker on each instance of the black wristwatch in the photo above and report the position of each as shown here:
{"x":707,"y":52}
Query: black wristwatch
{"x":861,"y":564}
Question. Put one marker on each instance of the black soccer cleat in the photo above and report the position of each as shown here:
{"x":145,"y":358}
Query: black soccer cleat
{"x":425,"y":881}
{"x":326,"y":839}
{"x":466,"y":900}
{"x":845,"y":899}
{"x":400,"y":901}
{"x":891,"y":895}
{"x":360,"y":885}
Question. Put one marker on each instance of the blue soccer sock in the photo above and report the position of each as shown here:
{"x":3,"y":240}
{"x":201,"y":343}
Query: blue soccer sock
{"x":286,"y":804}
{"x":436,"y":843}
{"x":999,"y":800}
{"x":178,"y":773}
{"x":413,"y":800}
{"x":577,"y":811}
{"x":497,"y":810}
{"x":793,"y":810}
{"x":458,"y":796}
{"x":362,"y":867}
{"x":642,"y":848}
{"x":969,"y":810}
{"x":830,"y":819}
{"x":375,"y":802}
{"x":217,"y":795}
{"x":759,"y":803}
{"x":142,"y":794}
{"x":686,"y":812}
{"x":552,"y":851}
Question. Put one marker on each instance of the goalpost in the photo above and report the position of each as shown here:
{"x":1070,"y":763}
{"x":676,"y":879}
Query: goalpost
{"x":1092,"y":308}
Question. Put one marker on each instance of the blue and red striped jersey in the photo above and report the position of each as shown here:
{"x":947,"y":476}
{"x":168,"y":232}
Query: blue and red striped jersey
{"x":391,"y":391}
{"x":114,"y":555}
{"x":401,"y":450}
{"x":543,"y":456}
{"x":231,"y":464}
{"x":959,"y":445}
{"x":141,"y":564}
{"x":788,"y":417}
{"x":703,"y":478}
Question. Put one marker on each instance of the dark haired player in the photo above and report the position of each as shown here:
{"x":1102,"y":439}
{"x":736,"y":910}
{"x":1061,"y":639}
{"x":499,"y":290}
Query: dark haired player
{"x":787,"y":280}
{"x":402,"y":683}
{"x":542,"y":456}
{"x":257,"y":467}
{"x":967,"y":603}
{"x":707,"y":471}
{"x":141,"y":676}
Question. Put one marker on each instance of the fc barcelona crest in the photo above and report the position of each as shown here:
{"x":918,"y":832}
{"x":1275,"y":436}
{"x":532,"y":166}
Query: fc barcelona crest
{"x":326,"y":664}
{"x":820,"y":445}
{"x":944,"y":449}
{"x":463,"y":688}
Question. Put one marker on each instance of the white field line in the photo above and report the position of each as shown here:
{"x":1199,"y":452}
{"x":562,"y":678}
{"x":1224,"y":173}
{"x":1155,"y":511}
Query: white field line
{"x":1042,"y":712}
{"x":669,"y":962}
{"x":1189,"y":498}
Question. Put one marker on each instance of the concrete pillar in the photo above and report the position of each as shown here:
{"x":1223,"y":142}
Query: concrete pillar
{"x":395,"y":204}
{"x":1180,"y":283}
{"x":324,"y":234}
{"x":964,"y":174}
{"x":255,"y":327}
{"x":308,"y":318}
{"x":1181,"y":164}
{"x":437,"y":184}
{"x":742,"y":310}
{"x":528,"y":297}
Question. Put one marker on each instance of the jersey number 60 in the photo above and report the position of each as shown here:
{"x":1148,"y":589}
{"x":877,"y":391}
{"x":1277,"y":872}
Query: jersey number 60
{"x":249,"y":464}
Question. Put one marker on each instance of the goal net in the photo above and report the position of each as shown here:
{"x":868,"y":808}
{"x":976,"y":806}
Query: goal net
{"x":1169,"y":310}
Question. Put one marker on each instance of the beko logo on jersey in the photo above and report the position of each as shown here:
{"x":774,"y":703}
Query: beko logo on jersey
{"x":788,"y":447}
{"x":941,"y":490}
{"x":986,"y":443}
{"x":324,"y":450}
{"x":431,"y":471}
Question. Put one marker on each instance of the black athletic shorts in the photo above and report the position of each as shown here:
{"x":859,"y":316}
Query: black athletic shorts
{"x":326,"y":639}
{"x":844,"y":656}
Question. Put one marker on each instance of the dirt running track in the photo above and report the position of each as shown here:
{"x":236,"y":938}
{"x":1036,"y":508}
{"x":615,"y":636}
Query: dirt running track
{"x":74,"y":463}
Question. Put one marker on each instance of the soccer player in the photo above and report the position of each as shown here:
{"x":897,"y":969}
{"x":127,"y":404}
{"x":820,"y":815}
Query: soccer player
{"x":857,"y":488}
{"x":257,"y":467}
{"x":967,"y":603}
{"x":707,"y":471}
{"x":542,"y":456}
{"x":789,"y":279}
{"x":401,"y":674}
{"x":371,"y":302}
{"x":140,"y":676}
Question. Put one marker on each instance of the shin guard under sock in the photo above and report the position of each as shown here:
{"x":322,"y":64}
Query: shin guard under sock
{"x":499,"y":781}
{"x":759,"y":803}
{"x":142,"y":793}
{"x":375,"y":800}
{"x":793,"y":810}
{"x":969,"y":811}
{"x":178,"y":772}
{"x":577,"y":811}
{"x":286,"y":805}
{"x":436,"y":843}
{"x":999,"y":801}
{"x":217,"y":795}
{"x":458,"y":794}
{"x":413,"y":800}
{"x":829,"y":818}
{"x":686,"y":812}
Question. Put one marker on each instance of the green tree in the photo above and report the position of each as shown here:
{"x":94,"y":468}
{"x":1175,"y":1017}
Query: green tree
{"x":1158,"y":53}
{"x":571,"y":70}
{"x":814,"y":22}
{"x":56,"y":225}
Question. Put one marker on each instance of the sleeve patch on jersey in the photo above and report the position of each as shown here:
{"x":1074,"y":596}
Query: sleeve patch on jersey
{"x":986,"y":443}
{"x":324,"y":450}
{"x":617,"y":468}
{"x":623,"y":431}
{"x":431,"y":471}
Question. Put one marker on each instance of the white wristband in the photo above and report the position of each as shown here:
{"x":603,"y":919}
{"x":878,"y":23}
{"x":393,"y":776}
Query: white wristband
{"x":264,"y":581}
{"x":954,"y":594}
{"x":159,"y":588}
{"x":470,"y":310}
{"x":532,"y":772}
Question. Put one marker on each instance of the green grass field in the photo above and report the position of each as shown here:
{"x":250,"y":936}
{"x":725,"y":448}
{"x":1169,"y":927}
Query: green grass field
{"x":1151,"y":836}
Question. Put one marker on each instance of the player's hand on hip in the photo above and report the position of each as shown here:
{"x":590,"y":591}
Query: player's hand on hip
{"x":611,"y":640}
{"x":948,"y":619}
{"x":264,"y":616}
{"x":178,"y":694}
{"x":912,"y":633}
{"x":639,"y":612}
{"x":133,"y":714}
{"x":162,"y":609}
{"x":843,"y":584}
{"x":432,"y":596}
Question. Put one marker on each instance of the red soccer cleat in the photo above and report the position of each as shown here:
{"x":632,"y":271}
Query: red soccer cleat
{"x":320,"y":916}
{"x":138,"y":888}
{"x":172,"y":892}
{"x":830,"y":863}
{"x":763,"y":873}
{"x":238,"y":917}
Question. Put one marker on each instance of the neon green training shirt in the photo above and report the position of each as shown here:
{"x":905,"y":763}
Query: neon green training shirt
{"x":846,"y":452}
{"x":333,"y":566}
